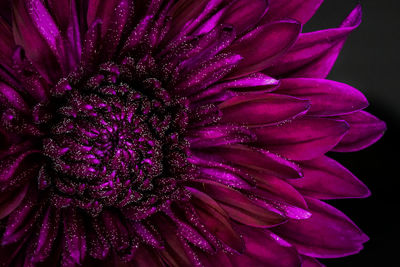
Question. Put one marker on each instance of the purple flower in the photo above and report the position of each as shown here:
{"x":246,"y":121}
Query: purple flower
{"x":175,"y":133}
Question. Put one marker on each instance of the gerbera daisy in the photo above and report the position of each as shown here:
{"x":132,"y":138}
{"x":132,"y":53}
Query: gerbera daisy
{"x":175,"y":133}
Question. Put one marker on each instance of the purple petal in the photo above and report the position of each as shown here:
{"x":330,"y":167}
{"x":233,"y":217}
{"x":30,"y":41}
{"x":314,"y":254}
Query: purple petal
{"x":47,"y":235}
{"x":264,"y":248}
{"x":262,"y":109}
{"x":35,"y":30}
{"x":263,"y":45}
{"x":98,"y":245}
{"x":10,"y":97}
{"x":117,"y":234}
{"x":324,"y":178}
{"x":244,"y":14}
{"x":20,"y":222}
{"x":75,"y":237}
{"x":146,"y":235}
{"x":176,"y":252}
{"x":113,"y":31}
{"x":302,"y":139}
{"x":215,"y":219}
{"x":187,"y":15}
{"x":6,"y":43}
{"x":242,"y":209}
{"x":145,"y":257}
{"x":224,"y":176}
{"x":218,"y":135}
{"x":310,"y":262}
{"x":253,"y":158}
{"x":91,"y":45}
{"x":328,"y":98}
{"x":328,"y":233}
{"x":314,"y":53}
{"x":210,"y":72}
{"x":301,"y":10}
{"x":272,"y":188}
{"x":66,"y":18}
{"x":365,"y":130}
{"x":256,"y":83}
{"x":10,"y":166}
{"x":9,"y":201}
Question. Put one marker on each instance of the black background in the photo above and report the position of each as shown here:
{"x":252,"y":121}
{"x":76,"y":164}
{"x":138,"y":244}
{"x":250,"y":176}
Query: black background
{"x":370,"y":62}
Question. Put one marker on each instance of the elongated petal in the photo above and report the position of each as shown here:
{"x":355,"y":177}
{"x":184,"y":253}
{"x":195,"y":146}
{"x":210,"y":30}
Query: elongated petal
{"x":210,"y":72}
{"x":328,"y":98}
{"x":314,"y":54}
{"x":187,"y":15}
{"x":10,"y":97}
{"x":263,"y":109}
{"x":6,"y":43}
{"x":242,"y":209}
{"x":365,"y":130}
{"x":216,"y":220}
{"x":47,"y":235}
{"x":310,"y":262}
{"x":10,"y":201}
{"x":244,"y":14}
{"x":118,"y":20}
{"x":324,"y":178}
{"x":264,"y":248}
{"x":20,"y":222}
{"x":256,"y":159}
{"x":254,"y":82}
{"x":219,"y":135}
{"x":301,"y":10}
{"x":272,"y":188}
{"x":10,"y":165}
{"x":302,"y":139}
{"x":263,"y":45}
{"x":35,"y":30}
{"x":75,"y":236}
{"x":328,"y":233}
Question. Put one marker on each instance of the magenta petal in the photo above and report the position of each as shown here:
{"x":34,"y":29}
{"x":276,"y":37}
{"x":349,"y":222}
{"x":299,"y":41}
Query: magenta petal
{"x":10,"y":201}
{"x":47,"y":235}
{"x":6,"y":43}
{"x":257,"y":82}
{"x":324,"y":178}
{"x":328,"y":233}
{"x":303,"y":138}
{"x":301,"y":10}
{"x":20,"y":222}
{"x":262,"y":109}
{"x":244,"y":14}
{"x":188,"y":14}
{"x":264,"y":248}
{"x":75,"y":237}
{"x":242,"y":209}
{"x":10,"y":97}
{"x":272,"y":188}
{"x":10,"y":165}
{"x":263,"y":45}
{"x":215,"y":219}
{"x":256,"y":159}
{"x":365,"y":130}
{"x":314,"y":54}
{"x":118,"y":20}
{"x":310,"y":262}
{"x":328,"y":98}
{"x":35,"y":30}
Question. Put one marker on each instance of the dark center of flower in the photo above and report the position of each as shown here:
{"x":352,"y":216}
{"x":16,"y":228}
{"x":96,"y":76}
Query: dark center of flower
{"x":114,"y":139}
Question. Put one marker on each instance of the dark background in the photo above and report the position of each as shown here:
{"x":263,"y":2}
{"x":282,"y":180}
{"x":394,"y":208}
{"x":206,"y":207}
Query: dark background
{"x":370,"y":62}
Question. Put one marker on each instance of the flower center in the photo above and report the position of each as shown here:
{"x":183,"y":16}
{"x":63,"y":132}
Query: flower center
{"x":114,"y":141}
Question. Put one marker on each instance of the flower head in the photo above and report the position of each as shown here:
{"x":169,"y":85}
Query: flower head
{"x":175,"y":133}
